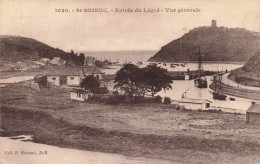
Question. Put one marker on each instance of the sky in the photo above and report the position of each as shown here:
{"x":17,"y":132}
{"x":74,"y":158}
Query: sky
{"x":108,"y":31}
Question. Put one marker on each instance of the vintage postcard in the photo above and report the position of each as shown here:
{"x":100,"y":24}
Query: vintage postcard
{"x":128,"y":81}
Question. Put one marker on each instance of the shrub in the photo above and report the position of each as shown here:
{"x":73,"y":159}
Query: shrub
{"x":101,"y":90}
{"x":115,"y":99}
{"x":157,"y":99}
{"x":167,"y":100}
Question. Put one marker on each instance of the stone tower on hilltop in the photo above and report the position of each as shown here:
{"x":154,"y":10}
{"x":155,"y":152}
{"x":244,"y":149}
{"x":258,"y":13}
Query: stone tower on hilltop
{"x":214,"y":23}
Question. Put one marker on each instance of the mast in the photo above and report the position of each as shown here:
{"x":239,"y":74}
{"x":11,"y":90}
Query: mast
{"x":199,"y":64}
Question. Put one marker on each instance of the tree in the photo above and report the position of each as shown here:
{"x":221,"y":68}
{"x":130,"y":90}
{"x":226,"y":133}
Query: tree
{"x":90,"y":83}
{"x":127,"y":80}
{"x":156,"y":79}
{"x":135,"y":81}
{"x":81,"y":59}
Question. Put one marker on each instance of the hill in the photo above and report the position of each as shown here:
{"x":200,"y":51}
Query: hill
{"x":14,"y":48}
{"x":249,"y":74}
{"x":215,"y":43}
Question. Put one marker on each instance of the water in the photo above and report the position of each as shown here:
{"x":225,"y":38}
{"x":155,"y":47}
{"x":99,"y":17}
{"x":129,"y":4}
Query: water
{"x":122,"y":56}
{"x":190,"y":66}
{"x":179,"y":87}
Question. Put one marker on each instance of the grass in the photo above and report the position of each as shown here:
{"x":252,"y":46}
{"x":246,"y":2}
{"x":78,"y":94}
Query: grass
{"x":143,"y":130}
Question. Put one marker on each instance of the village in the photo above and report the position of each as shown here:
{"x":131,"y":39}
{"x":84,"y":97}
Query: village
{"x":157,"y":82}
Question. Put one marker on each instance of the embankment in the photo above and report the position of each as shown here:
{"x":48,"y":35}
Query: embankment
{"x":238,"y":92}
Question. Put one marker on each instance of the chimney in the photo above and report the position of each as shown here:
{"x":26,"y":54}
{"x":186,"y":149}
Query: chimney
{"x":214,"y":23}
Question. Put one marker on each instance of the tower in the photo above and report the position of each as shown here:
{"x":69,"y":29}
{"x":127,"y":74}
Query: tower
{"x":214,"y":23}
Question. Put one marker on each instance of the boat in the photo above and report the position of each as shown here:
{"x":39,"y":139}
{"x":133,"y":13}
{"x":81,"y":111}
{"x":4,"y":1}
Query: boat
{"x":172,"y":66}
{"x":200,"y":82}
{"x":217,"y":93}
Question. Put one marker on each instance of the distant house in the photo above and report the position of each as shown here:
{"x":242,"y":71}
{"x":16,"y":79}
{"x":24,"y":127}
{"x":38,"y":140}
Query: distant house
{"x":39,"y":63}
{"x":253,"y":113}
{"x":57,"y":61}
{"x":96,"y":72}
{"x":46,"y":61}
{"x":79,"y":94}
{"x":89,"y":61}
{"x":195,"y":104}
{"x":25,"y":65}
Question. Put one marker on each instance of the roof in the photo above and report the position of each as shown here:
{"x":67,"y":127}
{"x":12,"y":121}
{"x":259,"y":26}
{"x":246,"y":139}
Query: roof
{"x":79,"y":90}
{"x":194,"y":101}
{"x":254,"y":108}
{"x":64,"y":71}
{"x":92,"y":70}
{"x":57,"y":61}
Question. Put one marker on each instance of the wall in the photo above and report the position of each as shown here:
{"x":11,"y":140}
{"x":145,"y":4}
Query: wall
{"x":253,"y":118}
{"x":77,"y":96}
{"x":191,"y":106}
{"x":55,"y":81}
{"x":204,"y":106}
{"x":100,"y":76}
{"x":73,"y":82}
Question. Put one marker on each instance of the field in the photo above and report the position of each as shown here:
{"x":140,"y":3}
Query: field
{"x":141,"y":130}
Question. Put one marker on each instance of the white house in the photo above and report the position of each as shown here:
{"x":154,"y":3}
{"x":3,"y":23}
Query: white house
{"x":79,"y":94}
{"x":53,"y":79}
{"x":195,"y":104}
{"x":72,"y":76}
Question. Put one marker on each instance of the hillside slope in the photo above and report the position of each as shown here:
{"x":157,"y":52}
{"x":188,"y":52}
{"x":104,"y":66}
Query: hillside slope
{"x":215,"y":43}
{"x":249,"y":74}
{"x":14,"y":48}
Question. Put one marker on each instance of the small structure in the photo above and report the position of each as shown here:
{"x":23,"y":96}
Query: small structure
{"x":89,"y":61}
{"x":186,"y":77}
{"x":57,"y":61}
{"x":253,"y":113}
{"x":79,"y":94}
{"x":214,"y":23}
{"x":195,"y":104}
{"x":96,"y":72}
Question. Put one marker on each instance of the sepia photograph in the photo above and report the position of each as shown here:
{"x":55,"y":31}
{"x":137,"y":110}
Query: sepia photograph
{"x":129,"y":82}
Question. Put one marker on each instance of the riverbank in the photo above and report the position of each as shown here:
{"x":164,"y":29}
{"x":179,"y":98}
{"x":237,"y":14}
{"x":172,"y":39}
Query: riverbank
{"x":145,"y":130}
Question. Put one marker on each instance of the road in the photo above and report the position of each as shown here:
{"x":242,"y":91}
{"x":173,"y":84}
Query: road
{"x":229,"y":82}
{"x":11,"y":153}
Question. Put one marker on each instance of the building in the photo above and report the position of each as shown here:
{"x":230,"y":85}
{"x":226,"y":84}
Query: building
{"x":79,"y":94}
{"x":25,"y":65}
{"x":96,"y":72}
{"x":57,"y":61}
{"x":67,"y":76}
{"x":214,"y":23}
{"x":253,"y":113}
{"x":195,"y":104}
{"x":72,"y":76}
{"x":89,"y":61}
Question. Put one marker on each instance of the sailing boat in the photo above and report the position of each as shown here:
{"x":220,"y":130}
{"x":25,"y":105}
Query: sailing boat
{"x":200,"y":82}
{"x":217,"y":94}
